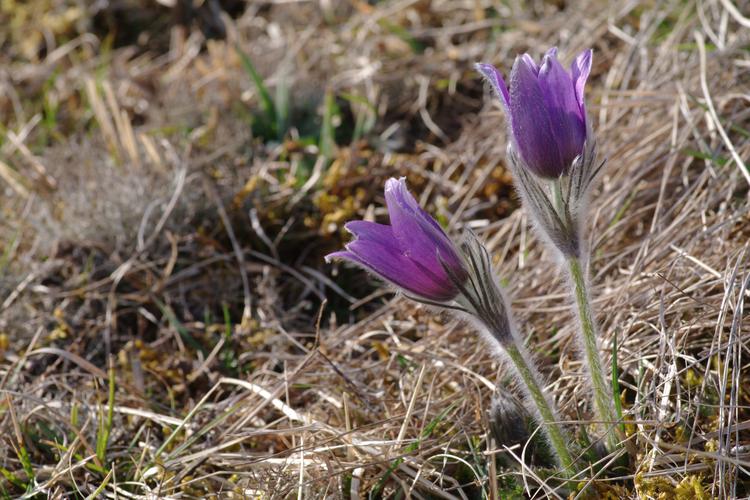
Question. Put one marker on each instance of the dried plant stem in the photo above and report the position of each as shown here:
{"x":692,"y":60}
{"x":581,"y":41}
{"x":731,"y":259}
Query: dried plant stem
{"x":550,"y":422}
{"x":587,"y":331}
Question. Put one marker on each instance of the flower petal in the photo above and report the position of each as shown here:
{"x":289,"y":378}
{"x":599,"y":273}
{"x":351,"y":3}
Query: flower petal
{"x":341,"y":254}
{"x":419,"y":235}
{"x":372,"y":231}
{"x":564,"y":110}
{"x":392,"y":266}
{"x":530,"y":63}
{"x":580,"y":69}
{"x":492,"y":75}
{"x":530,"y":123}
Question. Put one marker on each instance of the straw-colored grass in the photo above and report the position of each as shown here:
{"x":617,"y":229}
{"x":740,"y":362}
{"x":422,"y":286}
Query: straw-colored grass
{"x":168,"y":327}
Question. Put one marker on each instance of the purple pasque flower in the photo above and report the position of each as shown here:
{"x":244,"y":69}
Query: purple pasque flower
{"x":413,"y":253}
{"x":546,"y":110}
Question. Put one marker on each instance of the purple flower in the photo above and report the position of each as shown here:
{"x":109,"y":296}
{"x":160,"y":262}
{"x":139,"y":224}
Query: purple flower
{"x":413,"y":253}
{"x":546,"y":110}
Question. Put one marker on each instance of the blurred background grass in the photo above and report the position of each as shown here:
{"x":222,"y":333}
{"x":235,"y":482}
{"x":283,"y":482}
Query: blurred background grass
{"x":173,"y":171}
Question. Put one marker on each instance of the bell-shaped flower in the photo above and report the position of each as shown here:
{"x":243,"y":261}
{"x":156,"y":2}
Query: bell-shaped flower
{"x":553,"y":155}
{"x":546,"y":110}
{"x":413,"y":252}
{"x":416,"y":255}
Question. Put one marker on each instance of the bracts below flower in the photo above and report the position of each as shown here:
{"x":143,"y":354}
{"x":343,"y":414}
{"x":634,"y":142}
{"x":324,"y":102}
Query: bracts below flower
{"x":558,"y":206}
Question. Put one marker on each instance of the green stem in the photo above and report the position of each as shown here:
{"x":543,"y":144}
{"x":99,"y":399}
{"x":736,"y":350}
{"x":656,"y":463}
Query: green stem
{"x":549,"y":419}
{"x":602,"y":395}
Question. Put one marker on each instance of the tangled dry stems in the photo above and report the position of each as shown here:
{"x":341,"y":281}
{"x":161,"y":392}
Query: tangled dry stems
{"x":147,"y":226}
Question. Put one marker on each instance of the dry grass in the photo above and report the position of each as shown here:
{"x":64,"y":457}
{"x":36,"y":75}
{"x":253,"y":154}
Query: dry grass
{"x":168,"y":327}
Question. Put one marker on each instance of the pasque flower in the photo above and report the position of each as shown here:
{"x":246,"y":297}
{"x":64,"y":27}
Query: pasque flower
{"x":546,"y":110}
{"x":416,"y":255}
{"x":413,"y":252}
{"x":552,"y":152}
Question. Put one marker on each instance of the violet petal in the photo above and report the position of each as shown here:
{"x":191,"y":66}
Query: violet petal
{"x":563,"y":108}
{"x":390,"y":264}
{"x":530,"y":123}
{"x":498,"y":84}
{"x":530,"y":63}
{"x":372,"y":231}
{"x":580,"y":70}
{"x":419,"y":235}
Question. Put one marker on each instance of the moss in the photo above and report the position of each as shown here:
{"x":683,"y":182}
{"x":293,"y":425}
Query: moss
{"x":691,"y":488}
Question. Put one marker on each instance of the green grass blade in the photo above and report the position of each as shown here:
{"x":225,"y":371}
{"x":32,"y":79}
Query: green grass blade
{"x":327,"y":142}
{"x":23,"y":456}
{"x":401,"y":32}
{"x":227,"y":321}
{"x":9,"y":247}
{"x":101,"y":487}
{"x":364,"y":115}
{"x":266,"y":102}
{"x":281,"y":106}
{"x":105,"y":429}
{"x":12,"y":478}
{"x":717,"y":159}
{"x":184,"y":333}
{"x":616,"y":385}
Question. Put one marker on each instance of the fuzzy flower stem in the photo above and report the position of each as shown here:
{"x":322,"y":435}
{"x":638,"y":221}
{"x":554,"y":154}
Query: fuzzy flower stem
{"x":485,"y":301}
{"x":602,"y":395}
{"x":530,"y":377}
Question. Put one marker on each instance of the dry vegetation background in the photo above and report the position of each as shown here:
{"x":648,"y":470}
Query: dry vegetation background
{"x":172,"y":176}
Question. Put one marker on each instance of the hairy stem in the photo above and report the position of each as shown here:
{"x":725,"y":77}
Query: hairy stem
{"x":548,"y":415}
{"x":602,"y":395}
